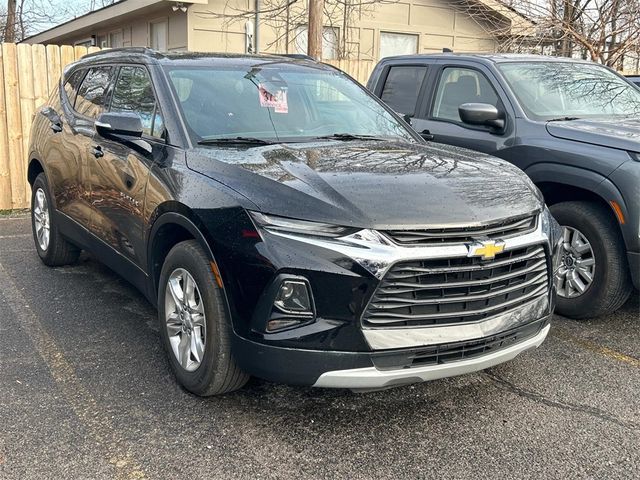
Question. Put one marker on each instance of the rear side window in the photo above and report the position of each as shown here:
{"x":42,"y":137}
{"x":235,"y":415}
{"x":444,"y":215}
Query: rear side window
{"x":134,"y":93}
{"x":72,"y":84}
{"x":402,"y":87}
{"x":91,"y":97}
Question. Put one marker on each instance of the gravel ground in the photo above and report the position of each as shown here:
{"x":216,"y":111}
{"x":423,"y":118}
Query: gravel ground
{"x":86,"y":392}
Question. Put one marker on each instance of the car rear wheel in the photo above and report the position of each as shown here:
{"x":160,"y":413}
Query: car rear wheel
{"x":593,"y":278}
{"x":54,"y":250}
{"x":195,"y":324}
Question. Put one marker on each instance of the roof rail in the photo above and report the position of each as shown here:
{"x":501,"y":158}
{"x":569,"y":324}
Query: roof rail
{"x":139,"y":50}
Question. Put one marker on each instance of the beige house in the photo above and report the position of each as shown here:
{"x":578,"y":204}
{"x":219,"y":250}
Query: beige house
{"x":360,"y":30}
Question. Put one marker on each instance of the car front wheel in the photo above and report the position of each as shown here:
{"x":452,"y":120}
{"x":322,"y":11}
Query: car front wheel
{"x":593,"y":278}
{"x":195,"y":324}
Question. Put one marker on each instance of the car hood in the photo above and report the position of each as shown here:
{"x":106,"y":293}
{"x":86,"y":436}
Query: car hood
{"x":623,"y":134}
{"x":372,"y":184}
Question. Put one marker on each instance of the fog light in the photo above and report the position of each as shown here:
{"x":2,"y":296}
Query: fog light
{"x":294,"y":298}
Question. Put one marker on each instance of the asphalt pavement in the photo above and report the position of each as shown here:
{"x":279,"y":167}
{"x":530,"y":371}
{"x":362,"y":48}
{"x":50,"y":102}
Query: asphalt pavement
{"x":86,"y":392}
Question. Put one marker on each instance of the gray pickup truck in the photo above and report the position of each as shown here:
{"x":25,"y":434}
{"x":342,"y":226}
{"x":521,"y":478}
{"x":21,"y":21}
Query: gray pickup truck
{"x":573,"y":126}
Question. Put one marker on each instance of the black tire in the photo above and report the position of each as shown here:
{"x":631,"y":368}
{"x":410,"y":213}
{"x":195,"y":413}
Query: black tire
{"x":218,"y":372}
{"x":611,"y":285}
{"x":59,"y":250}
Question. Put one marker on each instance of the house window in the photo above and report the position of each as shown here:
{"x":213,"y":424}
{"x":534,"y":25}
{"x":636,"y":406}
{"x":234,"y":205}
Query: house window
{"x":116,"y":39}
{"x":158,"y":35}
{"x":397,"y":44}
{"x":330,"y":37}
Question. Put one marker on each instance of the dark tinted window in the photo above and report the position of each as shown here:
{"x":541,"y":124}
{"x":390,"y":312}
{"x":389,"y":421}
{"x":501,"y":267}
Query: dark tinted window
{"x":91,"y":95}
{"x":458,"y":86}
{"x":71,"y":86}
{"x":134,"y":93}
{"x":402,"y":87}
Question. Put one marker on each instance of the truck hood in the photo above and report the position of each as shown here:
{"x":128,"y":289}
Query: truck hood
{"x":372,"y":184}
{"x":623,"y":134}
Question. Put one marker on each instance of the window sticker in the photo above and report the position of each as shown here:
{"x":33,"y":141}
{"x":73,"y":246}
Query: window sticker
{"x":276,"y":100}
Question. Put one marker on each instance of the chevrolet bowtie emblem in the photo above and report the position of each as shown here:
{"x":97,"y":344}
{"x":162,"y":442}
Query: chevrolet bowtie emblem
{"x":485,"y":249}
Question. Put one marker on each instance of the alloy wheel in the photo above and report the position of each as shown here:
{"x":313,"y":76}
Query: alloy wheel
{"x":41,"y":219}
{"x":185,"y":319}
{"x":578,"y":264}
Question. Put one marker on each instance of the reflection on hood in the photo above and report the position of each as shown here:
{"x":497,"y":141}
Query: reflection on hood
{"x":372,"y":184}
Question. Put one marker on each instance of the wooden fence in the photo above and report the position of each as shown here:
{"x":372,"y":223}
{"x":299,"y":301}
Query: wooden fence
{"x":28,"y":73}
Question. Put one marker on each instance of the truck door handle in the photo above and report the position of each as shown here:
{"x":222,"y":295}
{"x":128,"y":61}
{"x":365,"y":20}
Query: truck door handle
{"x":427,"y":135}
{"x":97,"y":151}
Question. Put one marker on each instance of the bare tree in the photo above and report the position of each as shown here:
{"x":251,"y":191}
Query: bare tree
{"x":605,"y":31}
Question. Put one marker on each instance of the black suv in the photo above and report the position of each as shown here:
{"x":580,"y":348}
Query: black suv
{"x":287,"y":224}
{"x":573,"y":126}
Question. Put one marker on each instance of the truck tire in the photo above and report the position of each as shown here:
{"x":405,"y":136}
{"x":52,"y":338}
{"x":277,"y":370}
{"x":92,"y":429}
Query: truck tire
{"x":195,"y":324}
{"x":594,"y":277}
{"x":53,"y":249}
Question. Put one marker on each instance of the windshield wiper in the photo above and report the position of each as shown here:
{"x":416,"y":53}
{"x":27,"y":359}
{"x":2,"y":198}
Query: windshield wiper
{"x":563,"y":119}
{"x":349,"y":136}
{"x":234,"y":141}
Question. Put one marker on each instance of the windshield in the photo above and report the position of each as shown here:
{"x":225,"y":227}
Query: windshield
{"x":277,"y":102}
{"x":550,"y":90}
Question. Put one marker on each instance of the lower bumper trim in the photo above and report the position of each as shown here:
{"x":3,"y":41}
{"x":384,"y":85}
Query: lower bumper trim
{"x":371,"y":378}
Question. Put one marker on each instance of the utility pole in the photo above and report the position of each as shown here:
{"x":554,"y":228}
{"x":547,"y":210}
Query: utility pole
{"x":256,"y":29}
{"x":10,"y":26}
{"x":314,"y":43}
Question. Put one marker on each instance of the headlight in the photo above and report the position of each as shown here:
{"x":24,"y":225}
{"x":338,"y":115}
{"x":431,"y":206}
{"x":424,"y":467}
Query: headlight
{"x":301,"y":227}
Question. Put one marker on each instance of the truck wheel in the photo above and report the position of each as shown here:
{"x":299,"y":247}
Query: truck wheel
{"x":194,"y":323}
{"x":54,"y":250}
{"x":593,"y":278}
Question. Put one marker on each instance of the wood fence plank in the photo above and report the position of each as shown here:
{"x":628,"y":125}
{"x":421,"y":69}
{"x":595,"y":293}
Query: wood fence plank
{"x":54,"y":69}
{"x":27,"y":103}
{"x":14,"y":125}
{"x":5,"y":179}
{"x":79,"y":52}
{"x":67,"y":55}
{"x":40,"y":79}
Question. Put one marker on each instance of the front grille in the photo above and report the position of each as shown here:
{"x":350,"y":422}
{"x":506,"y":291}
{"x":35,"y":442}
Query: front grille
{"x":451,"y":352}
{"x":504,"y":229}
{"x":457,"y":290}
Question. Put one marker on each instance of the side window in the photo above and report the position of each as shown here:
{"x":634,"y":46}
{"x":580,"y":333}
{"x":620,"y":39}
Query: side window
{"x":91,"y":97}
{"x":402,"y":87}
{"x":458,"y":86}
{"x":72,"y":84}
{"x":134,"y":93}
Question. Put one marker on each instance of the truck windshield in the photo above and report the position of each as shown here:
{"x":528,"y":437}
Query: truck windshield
{"x":277,"y":102}
{"x":554,"y":90}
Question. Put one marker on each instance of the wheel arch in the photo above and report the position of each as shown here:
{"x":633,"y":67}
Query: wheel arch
{"x":173,"y":224}
{"x":560,"y":183}
{"x":35,"y":168}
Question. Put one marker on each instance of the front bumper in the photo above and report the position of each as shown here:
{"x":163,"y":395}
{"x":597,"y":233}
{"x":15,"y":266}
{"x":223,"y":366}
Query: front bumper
{"x":371,"y":378}
{"x":381,"y":369}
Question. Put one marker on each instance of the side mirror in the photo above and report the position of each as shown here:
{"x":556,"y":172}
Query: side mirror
{"x":481,"y":114}
{"x":110,"y":125}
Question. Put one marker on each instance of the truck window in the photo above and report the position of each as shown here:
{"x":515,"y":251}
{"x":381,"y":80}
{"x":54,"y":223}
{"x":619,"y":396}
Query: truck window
{"x":402,"y":87}
{"x":458,"y":86}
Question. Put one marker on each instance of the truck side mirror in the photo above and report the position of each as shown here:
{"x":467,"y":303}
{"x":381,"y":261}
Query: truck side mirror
{"x":481,"y":114}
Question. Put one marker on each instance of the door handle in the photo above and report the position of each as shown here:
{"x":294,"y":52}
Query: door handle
{"x":427,"y":135}
{"x":97,"y":151}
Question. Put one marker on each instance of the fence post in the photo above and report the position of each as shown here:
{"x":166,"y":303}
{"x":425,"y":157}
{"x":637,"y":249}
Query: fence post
{"x":27,"y":106}
{"x":14,"y":124}
{"x":5,"y":173}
